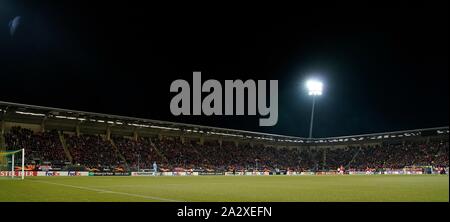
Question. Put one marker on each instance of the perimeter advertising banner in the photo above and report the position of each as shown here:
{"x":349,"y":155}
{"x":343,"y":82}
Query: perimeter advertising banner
{"x":361,"y":172}
{"x":164,"y":174}
{"x":211,"y":173}
{"x":109,"y":174}
{"x":136,"y":174}
{"x":185,"y":173}
{"x":247,"y":174}
{"x":45,"y":173}
{"x":18,"y":173}
{"x":62,"y":173}
{"x":402,"y":172}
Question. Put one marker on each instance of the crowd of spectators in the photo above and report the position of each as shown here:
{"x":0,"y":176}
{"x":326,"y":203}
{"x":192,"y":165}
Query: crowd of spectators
{"x":226,"y":156}
{"x":212,"y":155}
{"x":95,"y":151}
{"x":40,"y":147}
{"x":404,"y":154}
{"x":92,"y":151}
{"x":140,"y":153}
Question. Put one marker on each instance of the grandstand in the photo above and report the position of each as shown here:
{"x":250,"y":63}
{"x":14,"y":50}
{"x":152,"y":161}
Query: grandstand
{"x":60,"y":139}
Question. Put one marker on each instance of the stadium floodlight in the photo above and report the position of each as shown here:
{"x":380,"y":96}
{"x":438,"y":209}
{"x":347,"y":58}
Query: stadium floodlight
{"x":315,"y":88}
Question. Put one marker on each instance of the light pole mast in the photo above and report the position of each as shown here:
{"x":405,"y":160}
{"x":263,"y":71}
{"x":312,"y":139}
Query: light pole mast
{"x":312,"y":117}
{"x":314,"y":89}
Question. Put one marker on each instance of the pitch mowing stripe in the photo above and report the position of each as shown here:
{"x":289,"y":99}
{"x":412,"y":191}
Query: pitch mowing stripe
{"x":109,"y":191}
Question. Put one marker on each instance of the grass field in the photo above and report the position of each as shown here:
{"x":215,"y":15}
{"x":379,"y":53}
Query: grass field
{"x":373,"y":188}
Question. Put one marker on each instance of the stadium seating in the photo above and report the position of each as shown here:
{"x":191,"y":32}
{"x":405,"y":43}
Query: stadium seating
{"x":44,"y":147}
{"x":140,"y":153}
{"x":94,"y":151}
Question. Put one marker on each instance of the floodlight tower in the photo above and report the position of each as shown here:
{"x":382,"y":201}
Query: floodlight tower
{"x":315,"y":89}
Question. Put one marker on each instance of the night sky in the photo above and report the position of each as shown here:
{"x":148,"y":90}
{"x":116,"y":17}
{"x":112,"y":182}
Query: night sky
{"x":384,"y":69}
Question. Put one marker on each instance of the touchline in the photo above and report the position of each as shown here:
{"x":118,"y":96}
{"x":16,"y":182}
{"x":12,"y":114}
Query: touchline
{"x":212,"y":104}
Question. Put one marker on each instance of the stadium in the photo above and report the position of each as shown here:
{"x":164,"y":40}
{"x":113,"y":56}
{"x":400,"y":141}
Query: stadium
{"x":59,"y":155}
{"x":148,"y":110}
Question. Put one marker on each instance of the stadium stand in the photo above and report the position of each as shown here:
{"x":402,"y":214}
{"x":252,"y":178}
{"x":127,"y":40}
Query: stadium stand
{"x":92,"y":151}
{"x":140,"y":153}
{"x":95,"y":151}
{"x":102,"y":142}
{"x":44,"y":147}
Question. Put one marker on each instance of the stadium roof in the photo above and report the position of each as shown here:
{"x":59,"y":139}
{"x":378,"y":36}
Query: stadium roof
{"x":10,"y":110}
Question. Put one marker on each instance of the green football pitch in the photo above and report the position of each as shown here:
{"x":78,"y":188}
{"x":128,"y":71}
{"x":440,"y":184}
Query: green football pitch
{"x":374,"y":188}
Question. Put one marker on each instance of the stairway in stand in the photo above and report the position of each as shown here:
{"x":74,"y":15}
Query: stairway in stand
{"x":64,"y":145}
{"x":118,"y":153}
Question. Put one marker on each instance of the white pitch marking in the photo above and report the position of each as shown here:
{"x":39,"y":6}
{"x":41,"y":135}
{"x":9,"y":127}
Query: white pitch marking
{"x":109,"y":191}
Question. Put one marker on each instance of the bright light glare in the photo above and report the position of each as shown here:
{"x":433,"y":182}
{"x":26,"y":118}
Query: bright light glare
{"x":314,"y":87}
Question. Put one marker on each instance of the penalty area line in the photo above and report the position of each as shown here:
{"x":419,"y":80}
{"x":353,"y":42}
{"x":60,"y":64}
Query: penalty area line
{"x":109,"y":191}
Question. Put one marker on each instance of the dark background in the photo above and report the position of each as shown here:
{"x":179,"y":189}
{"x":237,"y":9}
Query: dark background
{"x":384,"y":68}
